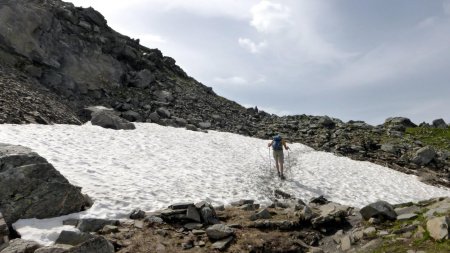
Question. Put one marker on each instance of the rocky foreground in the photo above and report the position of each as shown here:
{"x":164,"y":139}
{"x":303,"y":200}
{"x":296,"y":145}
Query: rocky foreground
{"x":57,"y":59}
{"x":288,"y":225}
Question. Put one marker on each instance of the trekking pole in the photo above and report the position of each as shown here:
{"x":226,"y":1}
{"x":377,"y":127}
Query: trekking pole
{"x":270,"y":161}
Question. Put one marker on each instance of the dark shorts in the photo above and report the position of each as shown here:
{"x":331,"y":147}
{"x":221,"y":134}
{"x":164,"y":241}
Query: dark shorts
{"x":278,"y":155}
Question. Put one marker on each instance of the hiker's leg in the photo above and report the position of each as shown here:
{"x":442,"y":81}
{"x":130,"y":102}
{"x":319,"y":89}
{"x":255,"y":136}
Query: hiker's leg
{"x":276,"y":156}
{"x":281,"y":159}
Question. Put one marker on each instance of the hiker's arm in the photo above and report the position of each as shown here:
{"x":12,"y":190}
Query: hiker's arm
{"x":285,"y":146}
{"x":270,"y":144}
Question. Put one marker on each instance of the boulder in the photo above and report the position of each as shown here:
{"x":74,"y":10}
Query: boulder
{"x":131,"y":116}
{"x":4,"y":231}
{"x":108,"y":119}
{"x":440,"y":123}
{"x":141,"y":79}
{"x":330,"y":213}
{"x":193,"y":214}
{"x":73,"y":238}
{"x":163,"y":112}
{"x":57,"y":248}
{"x":263,"y":214}
{"x":380,"y":210}
{"x":32,"y":188}
{"x":438,"y":227}
{"x":222,"y":244}
{"x":164,"y":96}
{"x":21,"y":246}
{"x":94,"y":225}
{"x":398,"y":123}
{"x":219,"y":231}
{"x":208,"y":215}
{"x":95,"y":245}
{"x":137,"y":214}
{"x":424,"y":156}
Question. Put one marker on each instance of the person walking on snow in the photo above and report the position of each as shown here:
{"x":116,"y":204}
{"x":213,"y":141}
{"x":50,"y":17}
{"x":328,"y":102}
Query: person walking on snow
{"x":277,"y":144}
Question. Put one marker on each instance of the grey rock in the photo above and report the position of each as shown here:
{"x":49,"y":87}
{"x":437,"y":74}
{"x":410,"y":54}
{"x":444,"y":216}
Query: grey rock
{"x":424,"y":155}
{"x":263,"y":214}
{"x":181,"y":205}
{"x":330,"y":213}
{"x":370,"y":231}
{"x":108,"y":119}
{"x":204,"y":125}
{"x":164,"y":96}
{"x":198,"y":232}
{"x":409,"y":209}
{"x":154,"y":220}
{"x":4,"y":231}
{"x":193,"y":214}
{"x":21,"y":246}
{"x":70,"y":222}
{"x":154,"y":117}
{"x":163,"y":112}
{"x":337,"y":236}
{"x":219,"y":231}
{"x":73,"y":238}
{"x":222,"y":244}
{"x":33,"y":188}
{"x":439,"y":123}
{"x":191,"y":127}
{"x":399,"y":121}
{"x":180,"y":122}
{"x":379,"y":209}
{"x":108,"y":229}
{"x":137,"y":214}
{"x":407,"y":216}
{"x":95,"y":245}
{"x":139,"y":224}
{"x":209,"y":215}
{"x":346,"y":243}
{"x":131,"y":116}
{"x":57,"y":248}
{"x":405,"y":229}
{"x":306,"y":214}
{"x":242,"y":202}
{"x":438,"y":227}
{"x":390,"y":148}
{"x":142,"y":79}
{"x":192,"y":226}
{"x":94,"y":225}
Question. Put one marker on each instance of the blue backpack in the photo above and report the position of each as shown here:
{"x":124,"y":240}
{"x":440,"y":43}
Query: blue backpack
{"x":277,"y":144}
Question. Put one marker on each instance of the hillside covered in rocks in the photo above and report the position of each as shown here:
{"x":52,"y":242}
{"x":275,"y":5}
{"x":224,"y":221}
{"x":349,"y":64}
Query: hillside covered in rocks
{"x":57,"y":59}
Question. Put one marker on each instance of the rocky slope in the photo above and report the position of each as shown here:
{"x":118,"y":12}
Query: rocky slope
{"x":58,"y":59}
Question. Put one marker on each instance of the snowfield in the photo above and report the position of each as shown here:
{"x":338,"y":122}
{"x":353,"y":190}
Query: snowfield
{"x":155,"y":166}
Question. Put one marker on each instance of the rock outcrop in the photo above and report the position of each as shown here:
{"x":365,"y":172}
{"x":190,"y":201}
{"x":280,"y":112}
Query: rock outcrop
{"x":32,"y":188}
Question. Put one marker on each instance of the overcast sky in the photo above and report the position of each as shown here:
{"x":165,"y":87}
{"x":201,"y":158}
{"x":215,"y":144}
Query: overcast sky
{"x":348,"y":59}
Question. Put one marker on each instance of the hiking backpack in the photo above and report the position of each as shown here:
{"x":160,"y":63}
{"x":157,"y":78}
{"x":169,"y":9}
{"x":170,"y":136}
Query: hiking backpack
{"x":276,"y":144}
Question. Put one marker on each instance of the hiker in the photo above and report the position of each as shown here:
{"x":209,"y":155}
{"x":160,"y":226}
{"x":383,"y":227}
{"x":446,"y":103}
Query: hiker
{"x":277,"y":144}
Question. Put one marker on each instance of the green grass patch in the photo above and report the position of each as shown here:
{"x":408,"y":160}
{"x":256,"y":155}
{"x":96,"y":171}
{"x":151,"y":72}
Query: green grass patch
{"x":438,"y":138}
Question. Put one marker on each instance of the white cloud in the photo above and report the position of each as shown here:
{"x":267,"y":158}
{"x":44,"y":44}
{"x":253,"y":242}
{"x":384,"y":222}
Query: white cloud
{"x":150,"y":40}
{"x":427,"y":23}
{"x":446,"y":6}
{"x":252,"y":46}
{"x":269,"y":17}
{"x":295,"y":31}
{"x":229,"y":8}
{"x":233,"y":80}
{"x":412,"y":52}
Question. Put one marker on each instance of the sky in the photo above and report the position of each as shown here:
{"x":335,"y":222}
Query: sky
{"x":129,"y":174}
{"x":348,"y":59}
